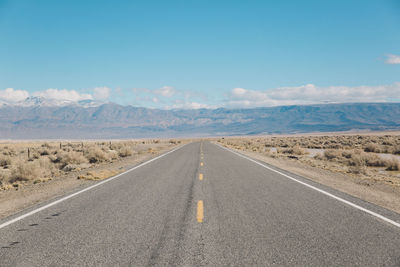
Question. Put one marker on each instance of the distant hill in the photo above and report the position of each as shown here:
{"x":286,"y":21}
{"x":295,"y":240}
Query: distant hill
{"x":91,"y":120}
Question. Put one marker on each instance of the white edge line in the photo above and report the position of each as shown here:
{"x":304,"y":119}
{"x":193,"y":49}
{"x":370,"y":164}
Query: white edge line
{"x":83,"y":190}
{"x":319,"y":190}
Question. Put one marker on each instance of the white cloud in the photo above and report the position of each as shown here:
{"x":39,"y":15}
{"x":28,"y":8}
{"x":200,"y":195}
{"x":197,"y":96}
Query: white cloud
{"x":188,"y":105}
{"x":70,"y":95}
{"x":166,"y":91}
{"x":11,"y":95}
{"x":195,"y":105}
{"x":392,"y":59}
{"x":101,"y":93}
{"x":311,"y":94}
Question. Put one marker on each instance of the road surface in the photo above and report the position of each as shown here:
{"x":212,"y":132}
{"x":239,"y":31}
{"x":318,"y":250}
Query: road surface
{"x":202,"y":205}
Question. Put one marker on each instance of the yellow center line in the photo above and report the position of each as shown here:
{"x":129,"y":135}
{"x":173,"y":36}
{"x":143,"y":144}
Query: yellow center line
{"x":200,"y":176}
{"x":200,"y":211}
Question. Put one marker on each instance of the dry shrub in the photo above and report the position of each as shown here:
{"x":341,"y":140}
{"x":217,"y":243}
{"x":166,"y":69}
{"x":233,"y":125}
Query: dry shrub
{"x":319,"y":156}
{"x":5,"y":161}
{"x":113,"y":154}
{"x":46,"y":145}
{"x":377,"y":144}
{"x":294,"y":150}
{"x":70,"y":167}
{"x":355,"y":160}
{"x":348,"y":154}
{"x":373,"y":160}
{"x":9,"y":152}
{"x":45,"y":151}
{"x":71,"y":157}
{"x":47,"y":159}
{"x":125,"y":151}
{"x":25,"y":171}
{"x":364,"y":159}
{"x":396,"y":150}
{"x":354,"y":157}
{"x":373,"y":148}
{"x":332,"y":154}
{"x":34,"y":155}
{"x":392,"y":165}
{"x":95,"y":154}
{"x":116,"y":146}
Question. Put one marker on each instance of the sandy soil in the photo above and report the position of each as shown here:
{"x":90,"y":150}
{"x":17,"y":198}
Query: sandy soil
{"x":382,"y":194}
{"x":13,"y":201}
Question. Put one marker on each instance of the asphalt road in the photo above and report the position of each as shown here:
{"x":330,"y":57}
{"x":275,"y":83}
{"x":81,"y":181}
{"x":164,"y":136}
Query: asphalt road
{"x":219,"y":209}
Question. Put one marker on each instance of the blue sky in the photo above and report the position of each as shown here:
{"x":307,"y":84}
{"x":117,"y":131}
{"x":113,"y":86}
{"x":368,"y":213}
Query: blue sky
{"x":190,"y":54}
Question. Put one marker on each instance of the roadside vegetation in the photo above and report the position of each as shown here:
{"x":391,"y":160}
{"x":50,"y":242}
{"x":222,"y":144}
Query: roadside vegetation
{"x":376,"y":158}
{"x":32,"y":163}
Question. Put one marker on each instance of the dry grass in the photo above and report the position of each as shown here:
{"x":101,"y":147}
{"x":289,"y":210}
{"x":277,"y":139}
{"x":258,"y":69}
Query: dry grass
{"x":5,"y":161}
{"x":296,"y":150}
{"x":378,"y":144}
{"x":96,"y":154}
{"x":25,"y":171}
{"x":35,"y":162}
{"x":356,"y":158}
{"x":393,"y":165}
{"x":125,"y":152}
{"x":71,"y":157}
{"x":98,"y":175}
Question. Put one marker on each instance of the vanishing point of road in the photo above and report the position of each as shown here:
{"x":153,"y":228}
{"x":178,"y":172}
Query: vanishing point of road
{"x":202,"y":205}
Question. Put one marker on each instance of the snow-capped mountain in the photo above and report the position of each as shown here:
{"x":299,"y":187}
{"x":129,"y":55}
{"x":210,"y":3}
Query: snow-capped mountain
{"x":38,"y":118}
{"x":39,"y":101}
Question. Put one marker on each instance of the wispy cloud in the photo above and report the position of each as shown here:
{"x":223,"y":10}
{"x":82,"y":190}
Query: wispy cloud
{"x":189,"y":105}
{"x":169,"y":98}
{"x":392,"y":59}
{"x":312,"y":94}
{"x":166,"y":91}
{"x":101,"y":93}
{"x":63,"y":94}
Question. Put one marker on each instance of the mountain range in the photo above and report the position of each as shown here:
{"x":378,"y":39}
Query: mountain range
{"x":38,"y":118}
